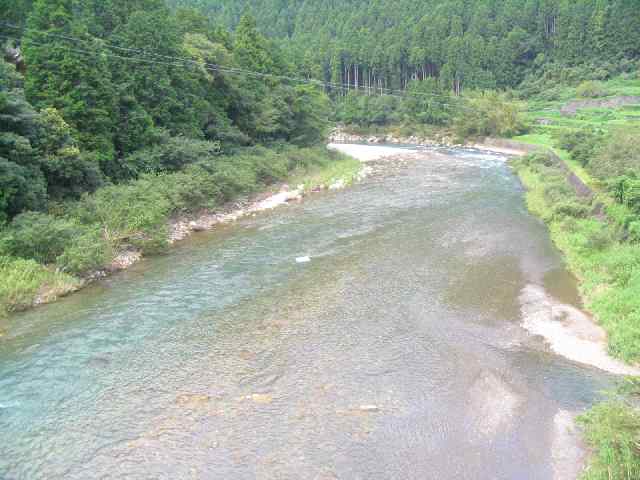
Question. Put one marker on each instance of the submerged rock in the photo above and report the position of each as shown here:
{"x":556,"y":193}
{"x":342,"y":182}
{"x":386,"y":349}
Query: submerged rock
{"x":192,"y":400}
{"x":262,"y":398}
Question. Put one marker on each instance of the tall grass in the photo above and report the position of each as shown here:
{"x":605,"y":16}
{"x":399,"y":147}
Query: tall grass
{"x":21,"y":281}
{"x":612,"y":430}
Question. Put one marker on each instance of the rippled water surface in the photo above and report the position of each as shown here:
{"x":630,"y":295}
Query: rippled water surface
{"x":397,"y":352}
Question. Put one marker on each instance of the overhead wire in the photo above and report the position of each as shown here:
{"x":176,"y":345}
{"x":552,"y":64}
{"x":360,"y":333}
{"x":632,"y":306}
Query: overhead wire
{"x":227,"y":69}
{"x":182,"y":62}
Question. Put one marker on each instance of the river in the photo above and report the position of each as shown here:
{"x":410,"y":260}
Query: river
{"x":396,"y":352}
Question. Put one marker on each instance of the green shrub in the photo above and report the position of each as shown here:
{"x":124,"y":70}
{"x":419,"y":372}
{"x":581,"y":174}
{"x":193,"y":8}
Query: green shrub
{"x":88,"y":252}
{"x":591,"y":89}
{"x":619,"y":156}
{"x":38,"y":236}
{"x":543,"y":158}
{"x":170,"y":156}
{"x":270,"y":165}
{"x":556,"y":192}
{"x":189,"y":190}
{"x":489,"y":114}
{"x":581,"y":144}
{"x":571,"y":208}
{"x":626,"y":191}
{"x":598,"y":239}
{"x":234,"y":175}
{"x":126,"y":212}
{"x":633,"y":230}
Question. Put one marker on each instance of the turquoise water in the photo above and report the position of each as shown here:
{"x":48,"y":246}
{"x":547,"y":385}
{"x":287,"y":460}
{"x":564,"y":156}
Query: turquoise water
{"x":389,"y":355}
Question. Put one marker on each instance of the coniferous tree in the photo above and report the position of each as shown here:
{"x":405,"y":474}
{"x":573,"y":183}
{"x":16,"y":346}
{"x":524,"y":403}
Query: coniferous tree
{"x":70,"y":75}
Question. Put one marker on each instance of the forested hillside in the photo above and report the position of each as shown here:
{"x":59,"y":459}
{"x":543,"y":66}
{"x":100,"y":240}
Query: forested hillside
{"x":117,"y":115}
{"x":105,"y":91}
{"x":465,"y":43}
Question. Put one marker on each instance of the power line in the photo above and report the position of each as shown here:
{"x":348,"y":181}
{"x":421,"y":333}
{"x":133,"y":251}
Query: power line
{"x":216,"y":67}
{"x":211,"y":68}
{"x":147,"y":52}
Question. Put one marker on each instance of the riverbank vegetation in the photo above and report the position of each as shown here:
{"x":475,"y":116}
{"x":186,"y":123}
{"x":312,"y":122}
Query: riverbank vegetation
{"x":582,"y":183}
{"x":48,"y":253}
{"x":611,"y":429}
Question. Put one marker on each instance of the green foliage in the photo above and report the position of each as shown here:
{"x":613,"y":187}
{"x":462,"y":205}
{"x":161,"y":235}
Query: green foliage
{"x":612,"y":429}
{"x":489,"y":114}
{"x":591,"y":89}
{"x":626,"y":191}
{"x":619,"y":156}
{"x":79,"y":86}
{"x":466,"y":45}
{"x":571,"y":209}
{"x":359,"y":109}
{"x":190,"y":189}
{"x":581,"y":144}
{"x":310,"y":116}
{"x":89,"y":251}
{"x":427,"y":102}
{"x":68,"y":172}
{"x":133,"y":213}
{"x":22,"y":280}
{"x":598,"y":239}
{"x":21,"y":180}
{"x":37,"y":236}
{"x":172,"y":155}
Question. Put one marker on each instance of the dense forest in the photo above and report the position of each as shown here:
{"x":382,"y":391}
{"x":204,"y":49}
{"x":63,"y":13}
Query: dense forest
{"x":465,"y":43}
{"x":83,"y":103}
{"x":97,"y":92}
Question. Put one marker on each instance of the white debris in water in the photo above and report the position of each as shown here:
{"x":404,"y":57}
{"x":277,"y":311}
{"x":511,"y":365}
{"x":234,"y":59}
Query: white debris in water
{"x":569,"y":332}
{"x":303,"y":260}
{"x":369,"y":408}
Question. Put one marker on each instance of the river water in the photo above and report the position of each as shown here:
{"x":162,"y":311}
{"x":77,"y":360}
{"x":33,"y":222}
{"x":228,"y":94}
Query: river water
{"x":396,"y":352}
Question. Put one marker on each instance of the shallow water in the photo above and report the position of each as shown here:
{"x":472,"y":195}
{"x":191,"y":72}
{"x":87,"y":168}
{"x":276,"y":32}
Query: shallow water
{"x":397,"y":352}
